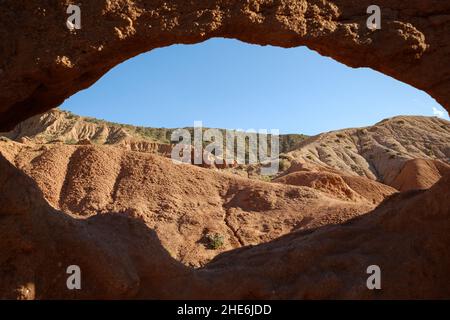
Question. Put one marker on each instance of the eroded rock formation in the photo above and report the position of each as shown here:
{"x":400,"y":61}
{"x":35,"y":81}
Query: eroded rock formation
{"x":42,"y":62}
{"x":381,"y":151}
{"x":407,"y":236}
{"x":182,"y":204}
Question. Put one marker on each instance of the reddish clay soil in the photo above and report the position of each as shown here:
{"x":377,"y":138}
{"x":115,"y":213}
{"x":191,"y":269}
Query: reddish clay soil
{"x":182,"y":203}
{"x":121,"y":257}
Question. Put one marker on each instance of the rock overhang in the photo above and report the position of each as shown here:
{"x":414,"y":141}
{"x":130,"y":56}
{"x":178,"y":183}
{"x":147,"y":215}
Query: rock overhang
{"x":42,"y":62}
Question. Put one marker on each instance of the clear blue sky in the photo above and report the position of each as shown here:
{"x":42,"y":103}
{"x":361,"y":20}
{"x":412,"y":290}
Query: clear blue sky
{"x":230,"y":84}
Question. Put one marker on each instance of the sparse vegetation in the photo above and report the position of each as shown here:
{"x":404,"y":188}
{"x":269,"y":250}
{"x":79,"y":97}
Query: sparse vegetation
{"x":266,"y":178}
{"x":215,"y":241}
{"x":284,"y":164}
{"x":70,"y":115}
{"x":287,"y":143}
{"x":94,"y":120}
{"x":71,"y":141}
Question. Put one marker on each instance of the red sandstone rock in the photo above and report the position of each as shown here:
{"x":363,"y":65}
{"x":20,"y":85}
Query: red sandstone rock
{"x":42,"y":62}
{"x":407,"y":236}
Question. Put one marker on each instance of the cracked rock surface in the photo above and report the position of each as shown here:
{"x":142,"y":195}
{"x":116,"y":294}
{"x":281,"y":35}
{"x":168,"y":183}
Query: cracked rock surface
{"x":42,"y":62}
{"x":43,"y":229}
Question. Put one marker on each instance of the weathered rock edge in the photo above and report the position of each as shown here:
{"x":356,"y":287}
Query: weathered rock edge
{"x":42,"y":63}
{"x":121,"y":258}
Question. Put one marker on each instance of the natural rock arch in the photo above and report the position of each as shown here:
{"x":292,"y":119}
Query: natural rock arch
{"x":42,"y":63}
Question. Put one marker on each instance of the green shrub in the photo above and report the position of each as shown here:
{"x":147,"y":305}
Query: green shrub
{"x":284,"y":164}
{"x":71,"y":141}
{"x":266,"y":178}
{"x":215,"y":241}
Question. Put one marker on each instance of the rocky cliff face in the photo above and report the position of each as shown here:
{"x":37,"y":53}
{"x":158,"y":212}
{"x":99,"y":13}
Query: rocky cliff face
{"x":42,"y":62}
{"x":182,"y":203}
{"x":379,"y":152}
{"x":145,"y":224}
{"x":382,"y":151}
{"x":62,"y":127}
{"x":407,"y":236}
{"x":51,"y":196}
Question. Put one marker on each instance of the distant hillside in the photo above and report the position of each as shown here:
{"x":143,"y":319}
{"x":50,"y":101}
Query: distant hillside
{"x":66,"y":127}
{"x":381,"y":151}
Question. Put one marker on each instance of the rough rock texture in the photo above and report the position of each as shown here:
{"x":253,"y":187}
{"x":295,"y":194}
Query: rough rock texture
{"x":42,"y":62}
{"x":38,"y":243}
{"x":407,"y":236}
{"x":58,"y":126}
{"x":345,"y":187}
{"x":135,"y":224}
{"x":63,"y":127}
{"x":378,"y":152}
{"x":420,"y":174}
{"x":181,"y":203}
{"x":120,"y":257}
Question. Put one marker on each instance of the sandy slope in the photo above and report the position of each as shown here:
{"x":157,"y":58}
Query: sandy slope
{"x":182,"y":203}
{"x":379,"y":152}
{"x":420,"y":174}
{"x":58,"y":126}
{"x":342,"y":186}
{"x":137,"y":223}
{"x":120,"y":257}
